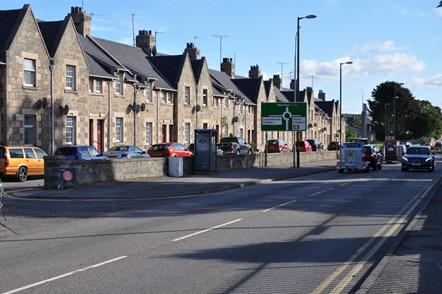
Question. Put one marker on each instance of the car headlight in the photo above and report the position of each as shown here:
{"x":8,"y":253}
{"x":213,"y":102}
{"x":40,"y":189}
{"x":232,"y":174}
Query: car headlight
{"x":428,"y":159}
{"x":404,"y":159}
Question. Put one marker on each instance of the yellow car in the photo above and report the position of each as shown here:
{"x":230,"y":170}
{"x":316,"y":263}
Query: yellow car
{"x":21,"y":162}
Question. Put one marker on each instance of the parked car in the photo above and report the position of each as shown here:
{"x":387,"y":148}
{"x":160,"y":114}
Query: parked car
{"x":316,"y":145}
{"x":21,"y":162}
{"x":235,"y":145}
{"x":373,"y":156}
{"x":219,"y":151}
{"x":333,"y":146}
{"x":303,"y":146}
{"x":126,"y":151}
{"x":79,"y":152}
{"x":277,"y":146}
{"x":171,"y":149}
{"x":418,"y":157}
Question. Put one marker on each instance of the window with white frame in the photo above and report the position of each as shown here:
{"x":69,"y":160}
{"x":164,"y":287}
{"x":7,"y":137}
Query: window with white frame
{"x":30,"y":130}
{"x":241,"y":107}
{"x":30,"y":72}
{"x":70,"y":129}
{"x":205,"y":97}
{"x":119,"y":129}
{"x":187,"y":95}
{"x":148,"y":133}
{"x":98,"y":86}
{"x":187,"y":133}
{"x":119,"y":84}
{"x":226,"y":102}
{"x":91,"y":85}
{"x":215,"y":102}
{"x":149,"y":126}
{"x":148,"y":93}
{"x":70,"y":77}
{"x":163,"y":97}
{"x":169,"y":97}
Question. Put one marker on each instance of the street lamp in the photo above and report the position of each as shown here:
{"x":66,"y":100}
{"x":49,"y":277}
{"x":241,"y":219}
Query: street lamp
{"x":297,"y":55}
{"x":340,"y":99}
{"x":394,"y":109}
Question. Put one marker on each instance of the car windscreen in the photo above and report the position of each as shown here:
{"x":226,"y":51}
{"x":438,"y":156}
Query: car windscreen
{"x":420,"y":151}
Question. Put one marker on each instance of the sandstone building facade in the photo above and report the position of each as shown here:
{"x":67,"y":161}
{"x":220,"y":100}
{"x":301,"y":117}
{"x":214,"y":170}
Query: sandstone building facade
{"x":59,"y":85}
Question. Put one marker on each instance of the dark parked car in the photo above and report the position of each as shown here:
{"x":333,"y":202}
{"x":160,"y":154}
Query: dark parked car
{"x":276,"y":146}
{"x":372,"y":155}
{"x":126,"y":151}
{"x":316,"y":145}
{"x":418,"y":157}
{"x":333,"y":146}
{"x":76,"y":152}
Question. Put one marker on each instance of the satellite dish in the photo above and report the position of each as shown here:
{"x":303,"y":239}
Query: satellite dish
{"x":38,"y":104}
{"x":129,"y":108}
{"x":66,"y":109}
{"x":143,"y":106}
{"x":198,"y":108}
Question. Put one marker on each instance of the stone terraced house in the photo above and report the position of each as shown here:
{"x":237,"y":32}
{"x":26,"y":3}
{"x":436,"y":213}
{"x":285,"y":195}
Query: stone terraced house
{"x":59,"y":85}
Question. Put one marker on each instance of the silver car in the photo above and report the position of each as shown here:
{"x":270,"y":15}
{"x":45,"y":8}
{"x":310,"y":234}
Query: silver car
{"x":126,"y":151}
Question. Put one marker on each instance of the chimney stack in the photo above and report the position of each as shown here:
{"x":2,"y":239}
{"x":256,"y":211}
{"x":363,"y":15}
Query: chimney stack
{"x":146,"y":41}
{"x":277,"y":82}
{"x":254,"y":72}
{"x":194,"y":53}
{"x":82,"y":20}
{"x":228,"y":67}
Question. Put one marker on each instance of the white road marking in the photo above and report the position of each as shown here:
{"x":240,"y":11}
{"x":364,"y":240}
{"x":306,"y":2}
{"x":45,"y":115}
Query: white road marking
{"x":206,"y":230}
{"x":63,"y":275}
{"x":280,"y":205}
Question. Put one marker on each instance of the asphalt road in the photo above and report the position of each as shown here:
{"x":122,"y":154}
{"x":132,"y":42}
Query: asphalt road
{"x":313,"y":234}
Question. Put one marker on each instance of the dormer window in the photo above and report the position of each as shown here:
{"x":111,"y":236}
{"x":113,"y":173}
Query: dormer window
{"x":119,"y":84}
{"x":30,"y":73}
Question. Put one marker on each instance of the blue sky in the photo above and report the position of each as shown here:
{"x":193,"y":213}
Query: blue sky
{"x":387,"y":40}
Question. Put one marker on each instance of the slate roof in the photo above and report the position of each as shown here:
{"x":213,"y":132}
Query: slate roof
{"x":326,"y":106}
{"x":169,"y":65}
{"x":135,"y":60}
{"x":250,"y":87}
{"x":100,"y":65}
{"x":197,"y":67}
{"x":222,"y":82}
{"x":9,"y":22}
{"x":279,"y":96}
{"x":52,"y":32}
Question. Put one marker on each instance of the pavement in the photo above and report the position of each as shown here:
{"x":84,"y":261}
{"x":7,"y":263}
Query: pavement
{"x":412,"y":265}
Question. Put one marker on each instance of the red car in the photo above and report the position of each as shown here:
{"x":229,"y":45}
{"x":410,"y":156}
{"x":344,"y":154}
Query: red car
{"x":171,"y":149}
{"x":304,"y":146}
{"x":276,"y":146}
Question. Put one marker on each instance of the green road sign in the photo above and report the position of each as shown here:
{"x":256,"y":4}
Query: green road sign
{"x":277,"y":116}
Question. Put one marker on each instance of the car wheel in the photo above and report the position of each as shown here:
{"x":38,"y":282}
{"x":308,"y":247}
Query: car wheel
{"x":22,"y":174}
{"x":250,"y":151}
{"x":379,"y":166}
{"x":375,"y":166}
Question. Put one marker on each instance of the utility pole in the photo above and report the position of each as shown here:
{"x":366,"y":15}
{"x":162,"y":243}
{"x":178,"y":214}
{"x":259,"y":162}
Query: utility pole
{"x":133,"y":29}
{"x":221,"y":45}
{"x":282,"y":69}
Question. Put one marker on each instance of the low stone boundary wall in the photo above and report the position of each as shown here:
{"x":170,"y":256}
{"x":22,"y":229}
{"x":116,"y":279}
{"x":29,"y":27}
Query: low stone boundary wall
{"x":93,"y":171}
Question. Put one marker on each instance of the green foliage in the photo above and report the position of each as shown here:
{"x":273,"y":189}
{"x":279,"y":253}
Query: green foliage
{"x":414,"y":118}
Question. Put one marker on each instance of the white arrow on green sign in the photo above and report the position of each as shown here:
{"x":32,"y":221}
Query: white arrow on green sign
{"x":277,"y":116}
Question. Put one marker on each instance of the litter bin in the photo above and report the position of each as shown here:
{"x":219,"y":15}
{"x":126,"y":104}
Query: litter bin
{"x":175,"y":166}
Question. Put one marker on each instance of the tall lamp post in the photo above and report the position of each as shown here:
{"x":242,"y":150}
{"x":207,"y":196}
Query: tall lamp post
{"x":297,"y":55}
{"x":394,"y":110}
{"x":340,"y":100}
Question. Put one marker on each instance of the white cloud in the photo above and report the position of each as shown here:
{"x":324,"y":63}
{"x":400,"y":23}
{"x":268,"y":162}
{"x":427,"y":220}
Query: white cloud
{"x":394,"y":63}
{"x":376,"y":47}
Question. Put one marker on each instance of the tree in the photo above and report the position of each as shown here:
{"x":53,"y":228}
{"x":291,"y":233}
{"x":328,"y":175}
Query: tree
{"x":440,"y":4}
{"x":425,"y":120}
{"x":384,"y":107}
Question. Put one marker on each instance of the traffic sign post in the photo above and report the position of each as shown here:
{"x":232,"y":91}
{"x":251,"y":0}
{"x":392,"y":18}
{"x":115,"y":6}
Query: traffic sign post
{"x":292,"y":117}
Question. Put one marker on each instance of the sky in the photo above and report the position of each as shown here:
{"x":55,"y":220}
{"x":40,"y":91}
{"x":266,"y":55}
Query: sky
{"x":387,"y":40}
